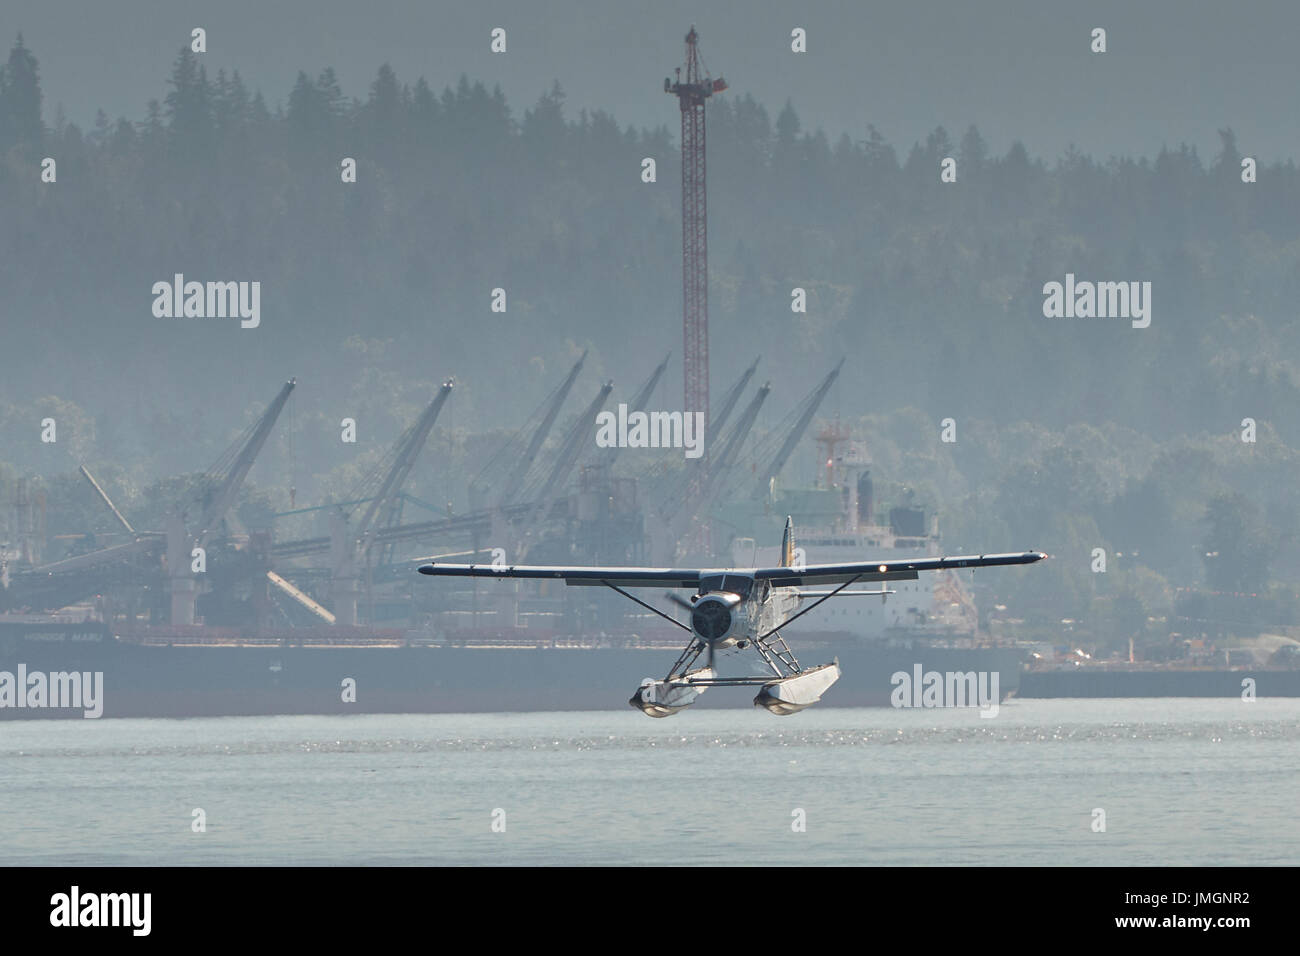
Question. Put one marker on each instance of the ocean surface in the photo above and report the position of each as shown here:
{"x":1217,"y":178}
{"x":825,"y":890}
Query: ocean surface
{"x":1181,"y":781}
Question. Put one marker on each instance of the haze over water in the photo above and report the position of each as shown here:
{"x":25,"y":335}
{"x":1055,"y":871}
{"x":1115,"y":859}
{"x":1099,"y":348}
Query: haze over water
{"x":1190,"y":782}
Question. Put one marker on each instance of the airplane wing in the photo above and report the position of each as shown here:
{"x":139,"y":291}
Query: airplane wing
{"x":621,"y":577}
{"x":904,"y":570}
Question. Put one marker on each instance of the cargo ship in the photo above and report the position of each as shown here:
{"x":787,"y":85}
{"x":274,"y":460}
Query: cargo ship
{"x":205,"y":672}
{"x":502,"y":647}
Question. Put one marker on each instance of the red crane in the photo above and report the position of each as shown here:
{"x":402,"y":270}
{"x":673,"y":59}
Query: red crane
{"x":691,"y":92}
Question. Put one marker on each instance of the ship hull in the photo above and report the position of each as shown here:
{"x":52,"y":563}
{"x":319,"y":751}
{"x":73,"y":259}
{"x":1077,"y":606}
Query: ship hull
{"x":205,"y":681}
{"x":1161,"y":682}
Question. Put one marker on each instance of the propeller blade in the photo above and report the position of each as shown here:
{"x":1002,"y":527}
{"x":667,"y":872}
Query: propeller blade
{"x":682,"y":602}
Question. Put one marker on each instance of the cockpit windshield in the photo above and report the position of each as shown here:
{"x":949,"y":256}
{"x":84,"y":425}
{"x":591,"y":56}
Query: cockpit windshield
{"x":738,"y":584}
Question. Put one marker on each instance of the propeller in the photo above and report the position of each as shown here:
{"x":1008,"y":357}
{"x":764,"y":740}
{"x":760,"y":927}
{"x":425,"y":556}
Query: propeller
{"x":680,"y":601}
{"x":690,"y":606}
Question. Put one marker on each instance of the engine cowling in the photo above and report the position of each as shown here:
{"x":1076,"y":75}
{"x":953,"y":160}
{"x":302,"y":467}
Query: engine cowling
{"x":715,"y":620}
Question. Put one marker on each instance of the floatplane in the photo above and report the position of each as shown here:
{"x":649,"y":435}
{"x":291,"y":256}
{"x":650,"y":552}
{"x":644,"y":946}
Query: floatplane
{"x":741,"y":608}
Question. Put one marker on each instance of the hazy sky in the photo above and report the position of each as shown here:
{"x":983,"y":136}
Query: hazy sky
{"x":1176,"y":70}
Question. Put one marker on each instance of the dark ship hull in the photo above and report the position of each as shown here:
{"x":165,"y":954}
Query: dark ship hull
{"x":1159,"y":682}
{"x":195,"y":680}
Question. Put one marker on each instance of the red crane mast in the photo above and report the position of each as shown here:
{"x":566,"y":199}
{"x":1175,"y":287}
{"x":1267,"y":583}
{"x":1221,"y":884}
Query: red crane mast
{"x":691,"y":92}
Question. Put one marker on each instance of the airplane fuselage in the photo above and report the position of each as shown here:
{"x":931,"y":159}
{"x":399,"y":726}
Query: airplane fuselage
{"x":731,"y":608}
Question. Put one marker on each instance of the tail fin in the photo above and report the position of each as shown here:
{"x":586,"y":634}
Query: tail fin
{"x":787,"y":544}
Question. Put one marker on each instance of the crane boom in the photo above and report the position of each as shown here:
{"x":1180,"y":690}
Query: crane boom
{"x":720,"y":466}
{"x":639,"y":401}
{"x":233,"y":480}
{"x":810,"y":406}
{"x":570,"y":450}
{"x":103,"y":496}
{"x":408,"y":450}
{"x":730,"y":453}
{"x":730,"y":399}
{"x":520,"y":470}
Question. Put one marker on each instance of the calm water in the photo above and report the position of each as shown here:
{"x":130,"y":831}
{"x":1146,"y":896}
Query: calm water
{"x":1181,"y":781}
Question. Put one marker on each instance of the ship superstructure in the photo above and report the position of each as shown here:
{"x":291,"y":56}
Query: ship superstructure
{"x":840,"y":519}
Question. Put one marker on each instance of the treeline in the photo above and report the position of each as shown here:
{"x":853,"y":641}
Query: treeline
{"x":931,"y":288}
